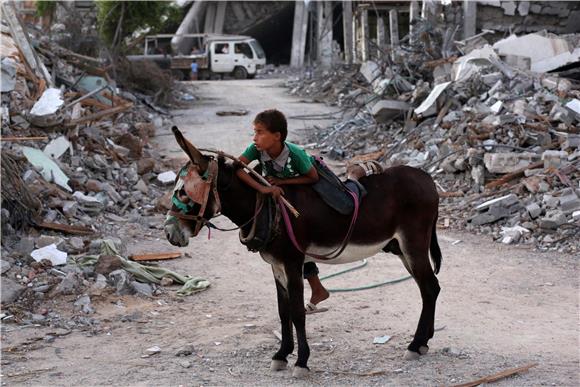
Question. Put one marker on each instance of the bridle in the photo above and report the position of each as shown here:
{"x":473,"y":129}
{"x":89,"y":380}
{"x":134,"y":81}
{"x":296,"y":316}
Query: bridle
{"x":198,"y":192}
{"x":198,"y":189}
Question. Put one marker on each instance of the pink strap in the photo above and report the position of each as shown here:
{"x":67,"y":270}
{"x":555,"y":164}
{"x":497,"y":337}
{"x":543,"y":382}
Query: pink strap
{"x":336,"y":252}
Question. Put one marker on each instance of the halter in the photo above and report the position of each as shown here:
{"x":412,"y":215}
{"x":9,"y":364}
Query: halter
{"x":198,"y":192}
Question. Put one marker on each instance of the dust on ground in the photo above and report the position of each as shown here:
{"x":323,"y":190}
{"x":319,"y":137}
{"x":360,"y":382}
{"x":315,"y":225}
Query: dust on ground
{"x":500,"y":306}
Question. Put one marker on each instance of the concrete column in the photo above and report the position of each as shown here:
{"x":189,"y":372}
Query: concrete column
{"x":394,"y":28}
{"x":326,"y":41}
{"x":414,"y":11}
{"x":209,"y":18}
{"x":364,"y":37}
{"x":347,"y":25}
{"x":429,"y":10}
{"x":380,"y":35}
{"x":189,"y":25}
{"x":220,"y":17}
{"x":299,"y":34}
{"x":469,"y":18}
{"x":238,"y":10}
{"x":355,"y":40}
{"x":320,"y":20}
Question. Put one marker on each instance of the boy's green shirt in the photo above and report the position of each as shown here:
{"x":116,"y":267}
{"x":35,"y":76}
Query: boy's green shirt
{"x":298,"y":162}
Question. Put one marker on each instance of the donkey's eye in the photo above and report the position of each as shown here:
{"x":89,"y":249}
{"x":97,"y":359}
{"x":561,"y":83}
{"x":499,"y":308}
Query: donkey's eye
{"x":182,"y":195}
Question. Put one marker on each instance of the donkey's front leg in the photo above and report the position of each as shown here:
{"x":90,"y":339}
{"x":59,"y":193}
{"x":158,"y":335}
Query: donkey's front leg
{"x":279,"y":361}
{"x":296,"y":305}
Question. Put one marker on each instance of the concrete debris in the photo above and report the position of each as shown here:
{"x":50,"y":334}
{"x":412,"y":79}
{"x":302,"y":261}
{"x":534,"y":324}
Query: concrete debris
{"x":574,"y":106}
{"x":83,"y":304}
{"x":11,"y":290}
{"x":49,"y":103}
{"x":72,"y":283}
{"x":50,"y":171}
{"x":87,"y":167}
{"x":142,"y":288}
{"x":545,"y":53}
{"x":553,"y":220}
{"x":513,"y":234}
{"x":167,"y":177}
{"x":121,"y":281}
{"x":430,"y":105}
{"x":385,"y":111}
{"x":486,"y":120}
{"x":8,"y":74}
{"x":51,"y":253}
{"x":56,"y":148}
{"x":508,"y":162}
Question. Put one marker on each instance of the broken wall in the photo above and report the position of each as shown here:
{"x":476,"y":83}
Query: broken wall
{"x":521,"y":16}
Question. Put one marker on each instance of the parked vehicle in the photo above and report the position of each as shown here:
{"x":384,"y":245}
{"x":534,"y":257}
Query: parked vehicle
{"x":215,"y":56}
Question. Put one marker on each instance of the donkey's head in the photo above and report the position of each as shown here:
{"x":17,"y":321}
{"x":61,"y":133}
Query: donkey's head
{"x":195,"y":199}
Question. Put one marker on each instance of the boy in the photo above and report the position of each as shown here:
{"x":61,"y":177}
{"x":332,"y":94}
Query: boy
{"x":284,"y":163}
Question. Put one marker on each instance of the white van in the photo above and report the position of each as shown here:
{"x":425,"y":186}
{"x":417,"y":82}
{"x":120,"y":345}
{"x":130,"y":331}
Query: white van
{"x":240,"y":56}
{"x":236,"y":55}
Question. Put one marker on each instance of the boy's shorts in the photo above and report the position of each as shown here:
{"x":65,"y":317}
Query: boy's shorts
{"x":310,"y":269}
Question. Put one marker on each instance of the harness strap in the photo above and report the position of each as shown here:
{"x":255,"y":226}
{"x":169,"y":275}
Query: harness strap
{"x":209,"y":224}
{"x":334,"y":253}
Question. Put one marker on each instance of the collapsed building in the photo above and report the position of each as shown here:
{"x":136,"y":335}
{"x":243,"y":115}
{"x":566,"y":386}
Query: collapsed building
{"x":327,"y":32}
{"x":492,"y":116}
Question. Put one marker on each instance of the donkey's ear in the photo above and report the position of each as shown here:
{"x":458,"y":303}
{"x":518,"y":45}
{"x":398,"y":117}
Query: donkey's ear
{"x":194,"y":155}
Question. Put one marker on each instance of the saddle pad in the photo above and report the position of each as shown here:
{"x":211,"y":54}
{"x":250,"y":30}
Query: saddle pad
{"x":333,"y":191}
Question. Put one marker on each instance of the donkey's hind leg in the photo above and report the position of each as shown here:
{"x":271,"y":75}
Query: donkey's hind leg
{"x":415,"y":257}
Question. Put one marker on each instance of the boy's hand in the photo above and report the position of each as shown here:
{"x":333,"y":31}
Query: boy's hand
{"x":274,"y":180}
{"x":275,"y":191}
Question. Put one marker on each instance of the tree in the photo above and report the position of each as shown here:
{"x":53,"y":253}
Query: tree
{"x":119,"y":19}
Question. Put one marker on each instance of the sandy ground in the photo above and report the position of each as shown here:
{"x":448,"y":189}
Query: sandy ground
{"x":500,"y":306}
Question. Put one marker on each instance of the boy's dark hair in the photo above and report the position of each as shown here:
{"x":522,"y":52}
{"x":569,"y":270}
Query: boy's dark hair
{"x":274,"y":121}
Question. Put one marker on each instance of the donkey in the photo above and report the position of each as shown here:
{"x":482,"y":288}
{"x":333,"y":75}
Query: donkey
{"x":398,"y":215}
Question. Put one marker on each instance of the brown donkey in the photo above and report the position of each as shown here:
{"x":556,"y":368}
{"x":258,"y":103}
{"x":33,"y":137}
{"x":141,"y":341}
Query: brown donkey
{"x":398,"y":215}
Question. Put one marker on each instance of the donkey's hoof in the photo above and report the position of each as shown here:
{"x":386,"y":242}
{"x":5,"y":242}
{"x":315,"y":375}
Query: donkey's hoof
{"x":278,"y":365}
{"x":300,"y":372}
{"x":412,"y":355}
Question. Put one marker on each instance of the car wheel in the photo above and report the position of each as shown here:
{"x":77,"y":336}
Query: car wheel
{"x":240,"y":73}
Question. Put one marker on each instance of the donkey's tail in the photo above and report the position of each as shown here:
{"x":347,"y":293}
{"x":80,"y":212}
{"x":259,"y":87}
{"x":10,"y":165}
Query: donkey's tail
{"x":434,"y":248}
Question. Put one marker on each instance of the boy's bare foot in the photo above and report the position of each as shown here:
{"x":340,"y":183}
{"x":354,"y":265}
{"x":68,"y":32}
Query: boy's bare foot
{"x":319,"y":295}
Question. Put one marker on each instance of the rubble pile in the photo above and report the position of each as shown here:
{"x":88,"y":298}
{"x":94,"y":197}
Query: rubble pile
{"x":499,"y":134}
{"x":77,"y":164}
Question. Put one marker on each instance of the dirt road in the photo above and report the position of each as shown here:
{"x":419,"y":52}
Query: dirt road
{"x":500,"y":306}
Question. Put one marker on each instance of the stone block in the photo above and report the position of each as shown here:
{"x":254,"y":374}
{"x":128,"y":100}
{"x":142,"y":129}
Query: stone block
{"x":572,"y":141}
{"x":4,"y":266}
{"x":553,"y":158}
{"x":517,"y":61}
{"x":386,"y":110}
{"x":550,"y":201}
{"x":142,"y":289}
{"x":509,"y":8}
{"x":524,"y":8}
{"x":370,"y":70}
{"x":71,"y":284}
{"x":553,"y":220}
{"x":11,"y":290}
{"x":508,"y":162}
{"x":534,"y":210}
{"x":569,"y":203}
{"x":107,"y":264}
{"x":121,"y":280}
